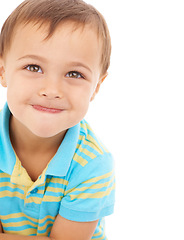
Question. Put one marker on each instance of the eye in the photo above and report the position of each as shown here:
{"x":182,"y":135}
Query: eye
{"x":74,"y":74}
{"x":34,"y":68}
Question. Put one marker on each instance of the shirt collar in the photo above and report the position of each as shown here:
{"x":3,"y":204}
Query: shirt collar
{"x":7,"y":155}
{"x":59,"y":164}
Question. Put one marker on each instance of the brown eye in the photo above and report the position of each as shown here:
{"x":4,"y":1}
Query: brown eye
{"x":34,"y":68}
{"x":74,"y":74}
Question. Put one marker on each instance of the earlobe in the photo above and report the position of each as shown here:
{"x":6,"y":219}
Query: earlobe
{"x":2,"y":74}
{"x":98,"y":86}
{"x":3,"y":81}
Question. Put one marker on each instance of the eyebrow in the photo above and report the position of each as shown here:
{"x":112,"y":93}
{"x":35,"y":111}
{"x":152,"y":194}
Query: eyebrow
{"x":73,"y":64}
{"x":33,"y":57}
{"x":79,"y":64}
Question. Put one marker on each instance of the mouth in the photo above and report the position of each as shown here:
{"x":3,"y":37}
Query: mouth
{"x":46,"y":109}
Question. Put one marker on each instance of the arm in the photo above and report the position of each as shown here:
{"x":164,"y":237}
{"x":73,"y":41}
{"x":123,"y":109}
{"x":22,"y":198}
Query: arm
{"x":1,"y":229}
{"x":62,"y":229}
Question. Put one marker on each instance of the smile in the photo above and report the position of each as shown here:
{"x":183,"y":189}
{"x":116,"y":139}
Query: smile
{"x":46,"y":109}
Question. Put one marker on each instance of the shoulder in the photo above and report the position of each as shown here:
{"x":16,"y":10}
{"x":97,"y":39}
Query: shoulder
{"x":89,"y":137}
{"x":90,"y":192}
{"x":91,"y":159}
{"x":90,"y":151}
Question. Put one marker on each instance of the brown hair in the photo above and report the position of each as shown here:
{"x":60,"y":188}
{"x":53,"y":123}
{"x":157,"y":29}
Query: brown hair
{"x":54,"y":12}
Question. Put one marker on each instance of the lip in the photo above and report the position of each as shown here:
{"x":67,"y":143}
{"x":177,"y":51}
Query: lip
{"x":46,"y":109}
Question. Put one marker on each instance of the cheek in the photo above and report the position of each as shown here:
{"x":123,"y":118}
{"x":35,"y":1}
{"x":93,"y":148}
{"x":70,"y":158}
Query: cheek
{"x":14,"y":92}
{"x":18,"y":92}
{"x":81,"y":99}
{"x":82,"y":95}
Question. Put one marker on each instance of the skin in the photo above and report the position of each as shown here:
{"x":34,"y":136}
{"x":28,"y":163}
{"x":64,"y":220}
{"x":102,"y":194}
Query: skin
{"x":50,"y":84}
{"x":1,"y":229}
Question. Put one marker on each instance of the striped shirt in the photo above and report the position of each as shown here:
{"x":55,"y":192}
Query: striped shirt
{"x":78,"y":183}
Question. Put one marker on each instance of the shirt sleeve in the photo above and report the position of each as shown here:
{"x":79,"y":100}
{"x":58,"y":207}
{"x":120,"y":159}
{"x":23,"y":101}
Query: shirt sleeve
{"x":90,"y":194}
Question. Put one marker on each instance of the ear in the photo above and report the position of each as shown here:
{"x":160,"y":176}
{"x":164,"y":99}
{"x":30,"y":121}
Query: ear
{"x":98,"y":86}
{"x":2,"y":73}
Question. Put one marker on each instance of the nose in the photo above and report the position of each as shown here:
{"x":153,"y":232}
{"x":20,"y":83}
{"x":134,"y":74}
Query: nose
{"x":51,"y":89}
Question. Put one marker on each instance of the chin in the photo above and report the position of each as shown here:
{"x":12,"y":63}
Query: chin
{"x":44,"y":133}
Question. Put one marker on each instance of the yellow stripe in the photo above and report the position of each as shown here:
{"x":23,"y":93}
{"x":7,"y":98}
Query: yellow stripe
{"x":100,"y":238}
{"x":93,"y":180}
{"x":45,"y":233}
{"x":40,"y":192}
{"x":96,"y":179}
{"x":25,"y":222}
{"x":54,"y":189}
{"x":57,"y":180}
{"x":95,"y":143}
{"x":99,"y":233}
{"x":17,"y":215}
{"x":46,"y":218}
{"x":92,"y":195}
{"x":85,"y":151}
{"x":19,"y":224}
{"x":13,"y":186}
{"x":80,"y":160}
{"x":96,"y":186}
{"x":82,"y":125}
{"x":36,"y":200}
{"x":52,"y":199}
{"x":4,"y":175}
{"x":91,"y":142}
{"x":45,"y":225}
{"x":25,"y":232}
{"x":11,"y":194}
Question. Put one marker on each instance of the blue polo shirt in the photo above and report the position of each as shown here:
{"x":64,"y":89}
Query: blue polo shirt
{"x":78,"y":183}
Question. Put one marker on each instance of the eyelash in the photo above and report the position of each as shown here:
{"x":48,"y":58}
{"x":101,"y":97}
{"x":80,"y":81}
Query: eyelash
{"x":32,"y":65}
{"x":27,"y":67}
{"x":76,"y":73}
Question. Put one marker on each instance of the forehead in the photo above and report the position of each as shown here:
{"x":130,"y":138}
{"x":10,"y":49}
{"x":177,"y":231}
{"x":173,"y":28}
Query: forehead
{"x":41,"y":33}
{"x":69,"y":42}
{"x":45,"y":29}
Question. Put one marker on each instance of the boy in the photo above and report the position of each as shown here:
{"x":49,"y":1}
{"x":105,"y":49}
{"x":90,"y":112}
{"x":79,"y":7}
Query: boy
{"x":56,"y":178}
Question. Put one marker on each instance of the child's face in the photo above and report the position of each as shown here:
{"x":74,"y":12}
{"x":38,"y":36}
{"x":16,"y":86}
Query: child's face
{"x":51,"y":83}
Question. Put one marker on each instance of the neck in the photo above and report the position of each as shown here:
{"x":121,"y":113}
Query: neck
{"x":24,"y":140}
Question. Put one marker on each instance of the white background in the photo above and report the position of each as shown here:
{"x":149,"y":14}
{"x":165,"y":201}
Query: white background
{"x":138,"y":114}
